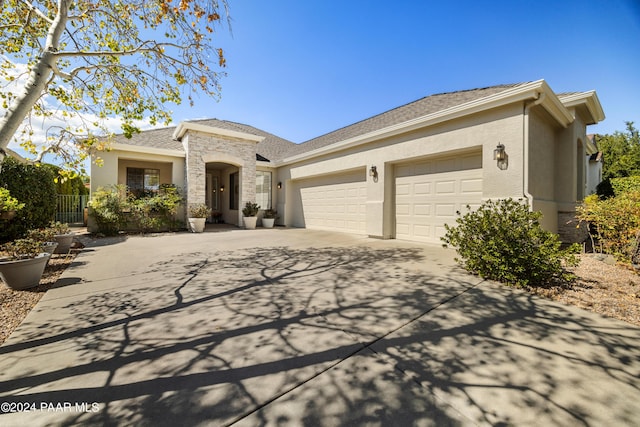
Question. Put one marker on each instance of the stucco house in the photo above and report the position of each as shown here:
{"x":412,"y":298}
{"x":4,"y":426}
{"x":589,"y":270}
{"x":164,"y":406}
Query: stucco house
{"x":400,"y":174}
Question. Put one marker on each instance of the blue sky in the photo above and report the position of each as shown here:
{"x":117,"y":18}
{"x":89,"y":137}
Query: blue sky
{"x":300,"y":69}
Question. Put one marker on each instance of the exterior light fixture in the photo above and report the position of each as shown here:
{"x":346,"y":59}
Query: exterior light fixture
{"x":498,"y":153}
{"x":279,"y":185}
{"x":500,"y":156}
{"x":222,"y":188}
{"x":373,"y":171}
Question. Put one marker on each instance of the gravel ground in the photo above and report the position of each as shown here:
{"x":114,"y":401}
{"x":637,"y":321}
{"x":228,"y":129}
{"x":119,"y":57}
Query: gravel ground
{"x":609,"y":289}
{"x":602,"y":286}
{"x":15,"y":305}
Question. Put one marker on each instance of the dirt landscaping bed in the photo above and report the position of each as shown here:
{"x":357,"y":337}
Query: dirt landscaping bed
{"x":610,"y":290}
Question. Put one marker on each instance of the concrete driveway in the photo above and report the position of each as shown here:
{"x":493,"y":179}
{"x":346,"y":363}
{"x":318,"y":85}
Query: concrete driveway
{"x":299,"y":327}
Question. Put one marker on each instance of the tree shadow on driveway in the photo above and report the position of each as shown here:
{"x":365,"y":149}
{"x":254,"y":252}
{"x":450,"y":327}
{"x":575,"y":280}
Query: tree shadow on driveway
{"x":318,"y":336}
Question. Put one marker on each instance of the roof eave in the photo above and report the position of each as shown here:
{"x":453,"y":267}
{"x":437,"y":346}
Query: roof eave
{"x":184,"y":127}
{"x":587,"y":99}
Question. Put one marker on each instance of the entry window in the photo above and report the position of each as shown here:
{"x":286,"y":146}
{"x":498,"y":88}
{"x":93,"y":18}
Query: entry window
{"x":234,"y":193}
{"x":142,"y":181}
{"x":263,"y":189}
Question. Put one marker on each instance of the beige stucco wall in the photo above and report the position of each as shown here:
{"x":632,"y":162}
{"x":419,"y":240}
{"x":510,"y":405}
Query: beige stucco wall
{"x":116,"y":162}
{"x":486,"y":130}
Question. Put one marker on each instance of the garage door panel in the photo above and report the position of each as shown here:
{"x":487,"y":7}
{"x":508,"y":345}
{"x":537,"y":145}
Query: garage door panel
{"x":452,"y":182}
{"x":336,"y":202}
{"x":422,"y":188}
{"x":445,"y":187}
{"x":471,"y":185}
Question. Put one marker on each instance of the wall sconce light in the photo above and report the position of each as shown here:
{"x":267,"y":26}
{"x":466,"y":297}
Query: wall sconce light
{"x":222,"y":188}
{"x":279,"y":185}
{"x":373,"y":172}
{"x":500,"y":156}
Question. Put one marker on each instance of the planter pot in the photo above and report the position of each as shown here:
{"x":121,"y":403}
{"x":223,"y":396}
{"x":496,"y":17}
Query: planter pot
{"x":268,"y":222}
{"x":250,"y":222}
{"x":196,"y":225}
{"x":49,"y":247}
{"x":23,"y":273}
{"x":64,"y":243}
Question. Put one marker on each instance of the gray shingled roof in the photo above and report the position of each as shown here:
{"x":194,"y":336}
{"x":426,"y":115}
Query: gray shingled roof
{"x":421,"y":107}
{"x":271,"y":148}
{"x":275,"y":148}
{"x":156,"y":138}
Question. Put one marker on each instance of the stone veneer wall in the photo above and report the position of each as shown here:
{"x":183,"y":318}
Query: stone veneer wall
{"x":197,"y":145}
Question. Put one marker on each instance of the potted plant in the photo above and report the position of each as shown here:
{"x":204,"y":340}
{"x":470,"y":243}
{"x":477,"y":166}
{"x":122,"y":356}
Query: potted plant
{"x":269,"y":218}
{"x":24,"y":264}
{"x":198,"y":214}
{"x":63,"y":235}
{"x":46,"y":238}
{"x":250,"y":215}
{"x":8,"y":205}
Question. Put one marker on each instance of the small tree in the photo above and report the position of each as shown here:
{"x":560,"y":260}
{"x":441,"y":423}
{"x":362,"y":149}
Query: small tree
{"x":100,"y":59}
{"x":503,"y":240}
{"x":621,"y":153}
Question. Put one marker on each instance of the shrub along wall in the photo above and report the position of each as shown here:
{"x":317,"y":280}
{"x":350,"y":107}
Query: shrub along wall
{"x":114,"y":210}
{"x":32,"y":185}
{"x":614,"y":223}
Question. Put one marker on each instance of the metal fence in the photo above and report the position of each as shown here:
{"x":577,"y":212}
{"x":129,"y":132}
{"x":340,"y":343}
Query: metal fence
{"x":71,"y":209}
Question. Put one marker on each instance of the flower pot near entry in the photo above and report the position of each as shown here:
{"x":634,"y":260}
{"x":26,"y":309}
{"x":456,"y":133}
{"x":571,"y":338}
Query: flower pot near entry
{"x":23,"y":273}
{"x":269,"y":218}
{"x":250,"y":222}
{"x":250,"y":215}
{"x":64,"y":243}
{"x":196,"y":225}
{"x":268,"y":222}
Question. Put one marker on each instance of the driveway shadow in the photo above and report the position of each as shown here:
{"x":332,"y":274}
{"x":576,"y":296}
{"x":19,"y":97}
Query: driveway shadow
{"x":345,"y":334}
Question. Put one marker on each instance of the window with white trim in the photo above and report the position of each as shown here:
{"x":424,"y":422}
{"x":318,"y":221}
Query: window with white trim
{"x":263,"y":189}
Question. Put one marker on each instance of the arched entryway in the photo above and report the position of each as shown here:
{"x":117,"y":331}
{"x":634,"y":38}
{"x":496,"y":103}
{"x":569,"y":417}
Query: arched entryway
{"x":224,"y":186}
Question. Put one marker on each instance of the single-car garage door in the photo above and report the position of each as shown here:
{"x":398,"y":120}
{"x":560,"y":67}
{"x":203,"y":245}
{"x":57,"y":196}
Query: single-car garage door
{"x":336,"y":202}
{"x":429,"y":192}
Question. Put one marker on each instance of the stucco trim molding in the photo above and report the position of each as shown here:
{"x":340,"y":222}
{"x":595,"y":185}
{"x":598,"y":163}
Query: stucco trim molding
{"x":223,"y":158}
{"x":147,"y":150}
{"x":184,"y":127}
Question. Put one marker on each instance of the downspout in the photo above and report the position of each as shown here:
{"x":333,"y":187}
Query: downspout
{"x":525,"y":141}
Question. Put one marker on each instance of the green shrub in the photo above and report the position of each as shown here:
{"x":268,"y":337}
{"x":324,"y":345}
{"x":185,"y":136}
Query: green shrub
{"x":155,"y":212}
{"x":625,"y":185}
{"x":502,"y":240}
{"x":107,"y":208}
{"x":32,"y":185}
{"x":613,"y":222}
{"x":9,"y":203}
{"x":115,"y":211}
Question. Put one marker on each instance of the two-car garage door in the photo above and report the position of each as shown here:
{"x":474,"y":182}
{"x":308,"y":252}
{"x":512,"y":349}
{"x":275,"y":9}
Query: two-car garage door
{"x":429,"y":192}
{"x":427,"y":195}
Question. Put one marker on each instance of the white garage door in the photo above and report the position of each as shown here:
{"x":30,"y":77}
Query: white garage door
{"x":336,"y":202}
{"x":428,"y":194}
